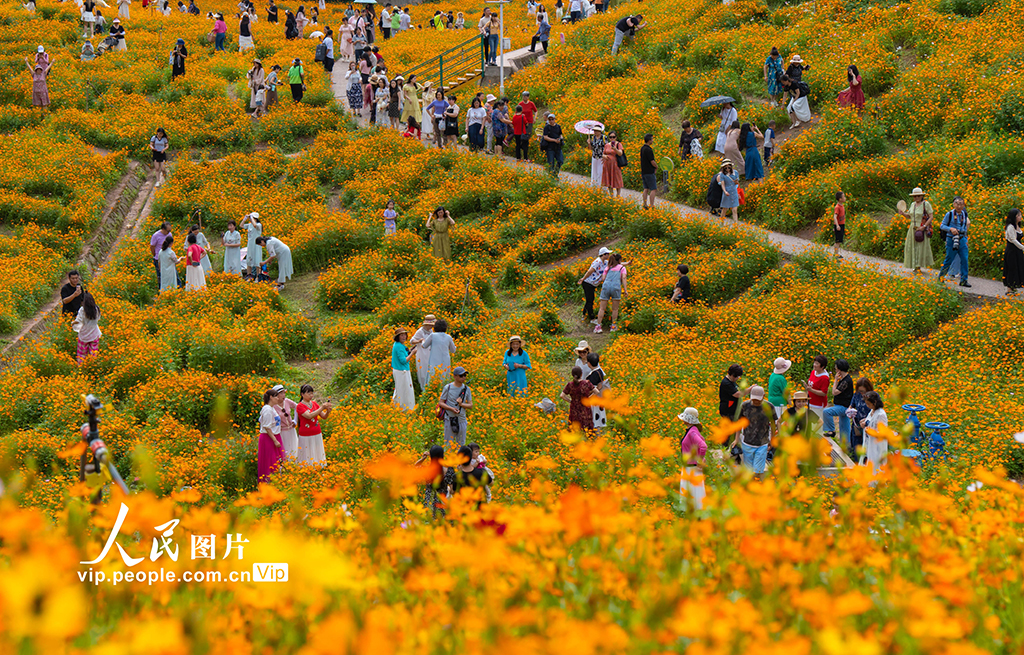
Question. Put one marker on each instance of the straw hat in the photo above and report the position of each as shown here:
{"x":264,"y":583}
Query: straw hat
{"x":800,"y":395}
{"x":726,"y":162}
{"x":795,"y":59}
{"x":690,"y":416}
{"x":399,"y":331}
{"x":918,"y":191}
{"x":582,"y":345}
{"x":515,"y":337}
{"x":429,"y":319}
{"x":781,"y":365}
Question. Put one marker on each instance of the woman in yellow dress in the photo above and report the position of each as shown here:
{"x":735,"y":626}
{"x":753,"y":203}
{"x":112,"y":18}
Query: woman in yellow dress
{"x":411,"y":95}
{"x":438,"y":224}
{"x":917,"y":254}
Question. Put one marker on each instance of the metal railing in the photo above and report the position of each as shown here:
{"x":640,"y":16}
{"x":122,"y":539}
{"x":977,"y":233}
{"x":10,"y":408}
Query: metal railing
{"x":451,"y":65}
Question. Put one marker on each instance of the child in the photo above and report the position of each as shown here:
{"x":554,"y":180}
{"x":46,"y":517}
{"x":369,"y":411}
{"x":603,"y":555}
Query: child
{"x":261,"y":95}
{"x":682,"y":291}
{"x":839,"y":222}
{"x":412,"y":131}
{"x":769,"y":142}
{"x":481,"y":463}
{"x":389,"y":218}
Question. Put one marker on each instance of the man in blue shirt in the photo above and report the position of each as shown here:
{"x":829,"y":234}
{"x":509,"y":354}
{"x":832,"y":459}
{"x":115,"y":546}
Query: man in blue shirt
{"x":954,"y":226}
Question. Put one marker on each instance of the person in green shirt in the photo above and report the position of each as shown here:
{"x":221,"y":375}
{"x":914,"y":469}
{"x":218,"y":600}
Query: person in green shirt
{"x":777,"y":385}
{"x":296,"y":80}
{"x":396,"y":21}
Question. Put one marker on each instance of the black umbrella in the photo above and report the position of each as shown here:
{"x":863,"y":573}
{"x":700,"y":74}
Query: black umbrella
{"x":717,"y":100}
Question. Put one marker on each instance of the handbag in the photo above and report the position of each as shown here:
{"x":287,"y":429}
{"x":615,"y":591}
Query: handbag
{"x":919,"y":235}
{"x":622,"y":161}
{"x":440,"y":125}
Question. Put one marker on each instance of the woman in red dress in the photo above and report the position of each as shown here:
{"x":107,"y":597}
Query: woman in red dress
{"x":575,"y":392}
{"x":853,"y":94}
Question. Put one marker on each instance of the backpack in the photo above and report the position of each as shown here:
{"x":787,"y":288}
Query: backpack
{"x":714,"y":197}
{"x":321,"y":52}
{"x":696,"y":150}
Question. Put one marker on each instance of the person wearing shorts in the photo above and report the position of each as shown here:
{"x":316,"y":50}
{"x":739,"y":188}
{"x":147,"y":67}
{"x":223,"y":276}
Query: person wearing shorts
{"x":158,"y":144}
{"x":613,"y":289}
{"x":839,"y":222}
{"x":648,"y":171}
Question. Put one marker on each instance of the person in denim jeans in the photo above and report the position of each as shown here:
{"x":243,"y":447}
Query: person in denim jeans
{"x":955,"y":224}
{"x":842,"y":396}
{"x":857,"y":412}
{"x":756,"y":438}
{"x":614,"y":289}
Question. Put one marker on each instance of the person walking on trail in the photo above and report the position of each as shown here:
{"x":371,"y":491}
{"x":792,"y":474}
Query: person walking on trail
{"x":626,"y":27}
{"x":772,"y":73}
{"x":817,"y":385}
{"x":423,"y":352}
{"x":158,"y":145}
{"x":297,"y":80}
{"x":917,"y":247}
{"x":732,"y":147}
{"x":519,"y":134}
{"x":156,"y":244}
{"x":529,"y":116}
{"x":839,"y":223}
{"x":596,"y":143}
{"x":729,"y":180}
{"x":1013,"y":255}
{"x":730,"y":394}
{"x":613,"y":288}
{"x":553,"y":141}
{"x":648,"y":172}
{"x":687,"y":137}
{"x":439,"y":224}
{"x":441,"y":347}
{"x":516,"y":363}
{"x":282,"y":253}
{"x":71,"y":295}
{"x":590,"y":281}
{"x":693,"y":449}
{"x":954,"y":227}
{"x":777,"y":384}
{"x":404,"y":395}
{"x":483,"y":25}
{"x":580,"y":416}
{"x":842,"y":396}
{"x":755,"y":439}
{"x":728,"y":116}
{"x":456,"y":397}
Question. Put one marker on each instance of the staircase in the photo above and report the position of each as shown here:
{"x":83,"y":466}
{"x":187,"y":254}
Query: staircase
{"x":452,"y":68}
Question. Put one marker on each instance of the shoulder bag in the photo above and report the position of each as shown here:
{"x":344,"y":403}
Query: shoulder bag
{"x":623,"y":162}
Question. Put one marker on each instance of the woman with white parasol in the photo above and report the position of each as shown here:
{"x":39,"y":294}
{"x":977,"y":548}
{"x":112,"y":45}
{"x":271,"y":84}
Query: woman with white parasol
{"x":728,"y":115}
{"x":596,"y":142}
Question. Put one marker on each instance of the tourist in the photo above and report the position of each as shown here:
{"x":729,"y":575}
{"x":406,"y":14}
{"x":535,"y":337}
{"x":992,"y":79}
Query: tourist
{"x":369,"y":88}
{"x":87,"y":325}
{"x":582,"y":357}
{"x":382,"y":97}
{"x":328,"y":42}
{"x":772,"y":73}
{"x":178,"y":56}
{"x":681,"y":292}
{"x":404,"y":396}
{"x":289,"y":437}
{"x":117,"y":32}
{"x":542,"y":36}
{"x":88,"y":15}
{"x":451,"y":122}
{"x":256,"y":77}
{"x":732,"y":147}
{"x":291,"y":31}
{"x":625,"y":27}
{"x":271,"y":12}
{"x":396,"y":21}
{"x":559,"y":10}
{"x":798,"y":107}
{"x":777,"y":384}
{"x":389,"y":218}
{"x":423,"y":352}
{"x":917,"y":248}
{"x":410,"y":93}
{"x":158,"y":145}
{"x":817,"y":385}
{"x":88,"y":52}
{"x":483,"y":26}
{"x":71,"y":295}
{"x":456,"y":397}
{"x":798,"y":417}
{"x":596,"y":144}
{"x":300,"y":20}
{"x":516,"y":363}
{"x":755,"y":439}
{"x":728,"y":116}
{"x":297,"y":80}
{"x":282,"y":253}
{"x":591,"y":279}
{"x":857,"y":412}
{"x":553,"y":140}
{"x":519,"y":133}
{"x":436,"y":110}
{"x":842,"y":396}
{"x":269,"y":452}
{"x":493,"y":33}
{"x":441,"y":347}
{"x":500,"y":123}
{"x":195,"y":278}
{"x":101,"y":22}
{"x":354,"y":89}
{"x":648,"y":172}
{"x":613,"y":288}
{"x":754,"y":171}
{"x":769,"y":142}
{"x":611,"y":173}
{"x":876,"y":450}
{"x":124,"y":9}
{"x":529,"y":114}
{"x":232,"y":242}
{"x":156,"y":243}
{"x":853,"y":94}
{"x":405,"y":20}
{"x":439,"y":224}
{"x":1013,"y":255}
{"x":839,"y":222}
{"x":580,"y":416}
{"x":395,"y":100}
{"x":203,"y":243}
{"x":729,"y":181}
{"x":311,"y":438}
{"x":244,"y":34}
{"x":795,"y":69}
{"x":270,"y":87}
{"x":468,"y":474}
{"x":220,"y":30}
{"x":475,"y":125}
{"x":40,"y":71}
{"x":688,"y":138}
{"x":729,"y":393}
{"x":168,"y":275}
{"x":955,"y":225}
{"x":438,"y":481}
{"x":693,"y":449}
{"x":253,"y":250}
{"x":597,"y":378}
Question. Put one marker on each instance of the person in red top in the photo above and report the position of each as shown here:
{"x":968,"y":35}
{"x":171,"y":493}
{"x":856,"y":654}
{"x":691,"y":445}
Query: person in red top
{"x":529,"y":112}
{"x":311,"y":438}
{"x":839,"y":221}
{"x":817,"y":385}
{"x":519,"y":134}
{"x":195,"y":278}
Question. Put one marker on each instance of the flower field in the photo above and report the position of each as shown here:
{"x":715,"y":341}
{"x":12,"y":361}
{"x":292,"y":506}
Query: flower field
{"x":588,"y":547}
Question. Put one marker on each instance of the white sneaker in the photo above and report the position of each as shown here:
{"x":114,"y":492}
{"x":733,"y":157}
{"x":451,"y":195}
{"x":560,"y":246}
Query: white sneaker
{"x":594,"y":322}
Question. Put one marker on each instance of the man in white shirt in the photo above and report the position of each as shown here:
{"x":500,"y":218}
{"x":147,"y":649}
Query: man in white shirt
{"x":329,"y":57}
{"x":385,"y":22}
{"x":481,"y":25}
{"x":575,"y":10}
{"x":406,"y":20}
{"x":591,"y":279}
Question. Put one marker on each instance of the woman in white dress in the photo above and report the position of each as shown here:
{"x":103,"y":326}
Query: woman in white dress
{"x":728,"y":116}
{"x":254,"y":251}
{"x":876,"y":450}
{"x":124,"y":8}
{"x":195,"y":278}
{"x":423,"y":352}
{"x":404,"y":396}
{"x":442,"y":347}
{"x":202,"y":242}
{"x":311,"y":437}
{"x":168,"y":265}
{"x":232,"y":242}
{"x":282,"y":253}
{"x":289,"y":436}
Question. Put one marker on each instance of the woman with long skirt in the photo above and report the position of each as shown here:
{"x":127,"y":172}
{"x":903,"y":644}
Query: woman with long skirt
{"x":253,"y":251}
{"x":232,"y":242}
{"x":289,"y":437}
{"x":168,"y":265}
{"x":423,"y":352}
{"x":311,"y":437}
{"x":404,"y":396}
{"x":195,"y":279}
{"x":1013,"y":256}
{"x":282,"y":253}
{"x":269,"y":452}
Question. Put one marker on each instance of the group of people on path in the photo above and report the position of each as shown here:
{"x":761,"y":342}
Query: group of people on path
{"x":197,"y":255}
{"x":290,"y":430}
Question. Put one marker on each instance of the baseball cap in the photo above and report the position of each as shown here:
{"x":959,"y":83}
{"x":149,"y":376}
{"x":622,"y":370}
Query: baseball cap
{"x":458,"y":370}
{"x":757,"y":392}
{"x":604,"y":251}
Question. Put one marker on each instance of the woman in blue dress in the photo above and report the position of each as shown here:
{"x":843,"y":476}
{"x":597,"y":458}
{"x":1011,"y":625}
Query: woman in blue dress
{"x":772,"y":72}
{"x":168,"y":265}
{"x":516,"y":362}
{"x":232,"y":243}
{"x":754,"y":170}
{"x":253,"y":251}
{"x":730,"y":181}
